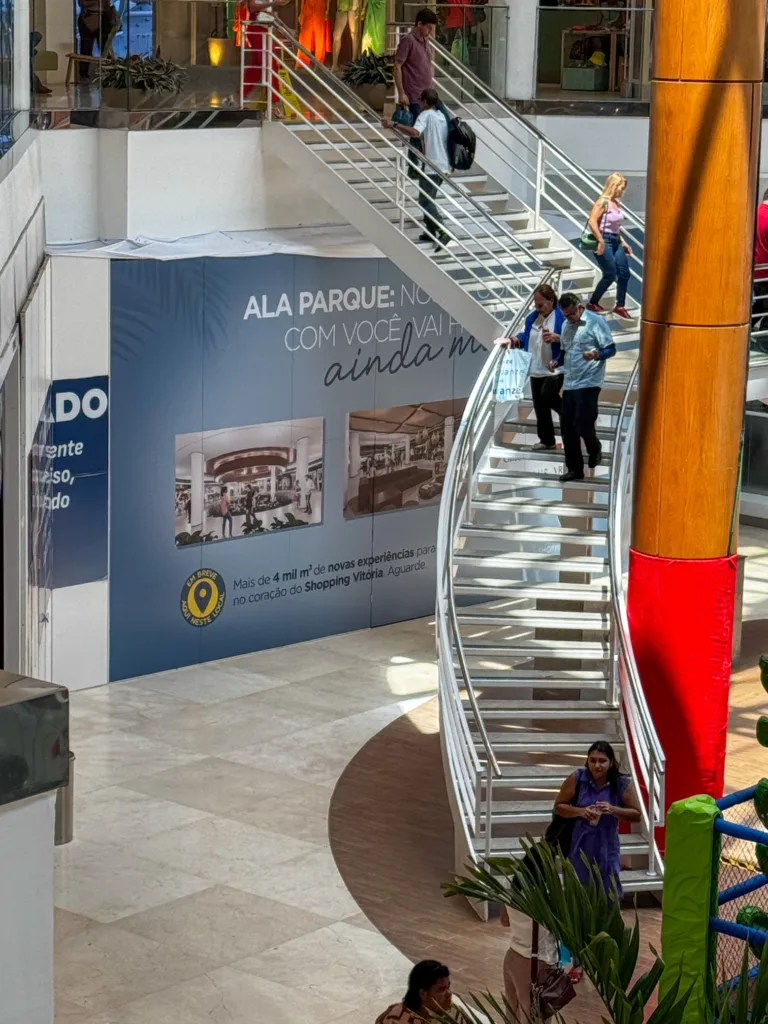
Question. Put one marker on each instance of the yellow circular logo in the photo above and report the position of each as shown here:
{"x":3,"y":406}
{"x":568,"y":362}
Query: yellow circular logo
{"x":202,"y":597}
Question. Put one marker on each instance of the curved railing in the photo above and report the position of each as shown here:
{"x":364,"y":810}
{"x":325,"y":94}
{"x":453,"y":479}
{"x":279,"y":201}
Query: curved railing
{"x":646,"y":758}
{"x":470,"y":775}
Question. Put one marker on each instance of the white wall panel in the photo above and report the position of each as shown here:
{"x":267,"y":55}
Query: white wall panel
{"x":81,"y":635}
{"x":80,"y":287}
{"x":169,"y":184}
{"x":26,"y":905}
{"x":71,"y":184}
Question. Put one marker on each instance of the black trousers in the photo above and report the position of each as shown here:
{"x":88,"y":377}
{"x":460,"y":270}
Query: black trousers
{"x":546,"y":397}
{"x":577,"y":422}
{"x":93,"y":29}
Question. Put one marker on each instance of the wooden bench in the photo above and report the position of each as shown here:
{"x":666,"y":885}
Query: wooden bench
{"x":80,"y":58}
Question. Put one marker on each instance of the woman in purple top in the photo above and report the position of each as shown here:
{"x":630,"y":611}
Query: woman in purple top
{"x":605,"y":222}
{"x":598,"y":796}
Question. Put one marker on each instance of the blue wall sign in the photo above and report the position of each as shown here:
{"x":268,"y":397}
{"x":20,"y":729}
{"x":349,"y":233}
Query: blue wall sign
{"x":78,"y":451}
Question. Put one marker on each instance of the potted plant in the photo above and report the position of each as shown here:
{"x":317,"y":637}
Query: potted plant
{"x":128,"y":82}
{"x":371,"y":75}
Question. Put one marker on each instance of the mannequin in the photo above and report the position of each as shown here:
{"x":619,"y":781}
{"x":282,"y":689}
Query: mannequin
{"x":348,"y":13}
{"x":313,"y":29}
{"x":374,"y":28}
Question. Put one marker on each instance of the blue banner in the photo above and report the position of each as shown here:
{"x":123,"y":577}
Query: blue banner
{"x":78,"y":451}
{"x":280,"y":427}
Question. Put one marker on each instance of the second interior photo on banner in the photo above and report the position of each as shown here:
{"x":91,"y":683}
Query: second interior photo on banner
{"x":396,"y":458}
{"x":248,"y":481}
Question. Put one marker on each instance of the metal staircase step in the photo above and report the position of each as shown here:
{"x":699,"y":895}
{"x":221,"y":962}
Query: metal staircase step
{"x":503,"y":742}
{"x":523,"y":533}
{"x":502,"y":451}
{"x":640,"y":881}
{"x":533,"y":619}
{"x":633,"y":844}
{"x":462,"y":210}
{"x":500,"y":280}
{"x":458,"y":261}
{"x":556,"y":257}
{"x":387,"y":159}
{"x":529,"y":426}
{"x":531,"y":590}
{"x":537,"y":711}
{"x":540,"y":679}
{"x":540,"y":506}
{"x":526,"y":480}
{"x":533,"y":560}
{"x":554,"y":773}
{"x":523,"y":648}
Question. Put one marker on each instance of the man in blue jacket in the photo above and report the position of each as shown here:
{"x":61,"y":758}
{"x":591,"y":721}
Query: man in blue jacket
{"x":585,"y":343}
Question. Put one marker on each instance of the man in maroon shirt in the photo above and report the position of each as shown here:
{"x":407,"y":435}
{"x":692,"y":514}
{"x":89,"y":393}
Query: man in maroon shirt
{"x":413,"y":62}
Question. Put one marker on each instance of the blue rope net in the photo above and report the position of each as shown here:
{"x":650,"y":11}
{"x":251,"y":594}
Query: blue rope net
{"x":741,"y":885}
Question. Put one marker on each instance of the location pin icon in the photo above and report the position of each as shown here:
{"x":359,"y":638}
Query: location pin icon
{"x":204,"y":595}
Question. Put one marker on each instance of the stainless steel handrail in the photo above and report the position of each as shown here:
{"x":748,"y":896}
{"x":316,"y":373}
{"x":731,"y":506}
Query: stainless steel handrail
{"x":538,"y":166}
{"x":530,"y":265}
{"x":394,"y":140}
{"x":459,"y":473}
{"x":647,"y":761}
{"x":509,"y":110}
{"x":494,"y":256}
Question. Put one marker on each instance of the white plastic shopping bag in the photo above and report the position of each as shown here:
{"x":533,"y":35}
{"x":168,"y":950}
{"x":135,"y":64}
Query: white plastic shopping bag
{"x":514,"y":372}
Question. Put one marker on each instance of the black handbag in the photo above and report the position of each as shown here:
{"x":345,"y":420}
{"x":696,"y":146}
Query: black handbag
{"x":551,"y":988}
{"x":560,"y":830}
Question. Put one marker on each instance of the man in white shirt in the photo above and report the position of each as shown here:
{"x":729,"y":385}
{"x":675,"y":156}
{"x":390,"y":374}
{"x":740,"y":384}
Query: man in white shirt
{"x":431,"y":127}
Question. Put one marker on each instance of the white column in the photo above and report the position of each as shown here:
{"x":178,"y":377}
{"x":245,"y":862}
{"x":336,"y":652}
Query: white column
{"x":272,"y":481}
{"x":448,"y":435}
{"x":407,"y":449}
{"x":198,"y":492}
{"x":522,"y":45}
{"x":26,"y":896}
{"x":302,"y":460}
{"x":21,"y":55}
{"x":58,"y":36}
{"x":354,"y":453}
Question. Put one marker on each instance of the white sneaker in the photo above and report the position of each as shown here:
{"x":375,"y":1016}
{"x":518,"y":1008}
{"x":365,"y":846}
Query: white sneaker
{"x":541,"y":447}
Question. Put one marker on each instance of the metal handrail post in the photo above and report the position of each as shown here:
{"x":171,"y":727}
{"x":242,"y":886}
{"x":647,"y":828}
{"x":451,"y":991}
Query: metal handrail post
{"x":267,"y":70}
{"x":539,"y":182}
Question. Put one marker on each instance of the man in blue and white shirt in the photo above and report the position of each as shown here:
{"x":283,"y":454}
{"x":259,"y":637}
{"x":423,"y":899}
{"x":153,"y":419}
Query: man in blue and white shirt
{"x":585,"y":343}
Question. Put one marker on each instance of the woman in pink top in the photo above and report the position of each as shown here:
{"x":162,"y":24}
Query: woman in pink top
{"x":605,"y":223}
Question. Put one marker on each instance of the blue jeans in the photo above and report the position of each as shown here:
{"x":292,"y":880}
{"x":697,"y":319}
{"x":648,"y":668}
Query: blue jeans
{"x":615,"y":267}
{"x":226,"y":518}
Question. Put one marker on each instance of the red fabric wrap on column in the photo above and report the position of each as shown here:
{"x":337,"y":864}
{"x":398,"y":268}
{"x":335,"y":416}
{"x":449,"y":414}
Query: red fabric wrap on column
{"x":681,"y":622}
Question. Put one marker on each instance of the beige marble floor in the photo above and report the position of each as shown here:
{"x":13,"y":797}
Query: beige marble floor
{"x":200,"y":886}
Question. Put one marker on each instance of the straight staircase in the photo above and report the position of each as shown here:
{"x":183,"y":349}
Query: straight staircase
{"x":500,"y":249}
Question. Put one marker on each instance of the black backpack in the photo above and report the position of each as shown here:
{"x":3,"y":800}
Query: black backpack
{"x":461,"y":143}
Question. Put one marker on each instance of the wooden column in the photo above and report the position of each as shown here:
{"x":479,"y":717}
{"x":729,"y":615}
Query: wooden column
{"x":697,"y":284}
